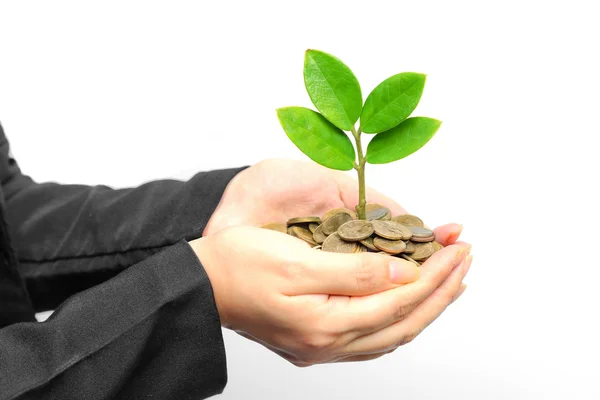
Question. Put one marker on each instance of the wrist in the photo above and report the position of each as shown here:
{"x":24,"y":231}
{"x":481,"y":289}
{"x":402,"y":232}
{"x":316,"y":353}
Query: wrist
{"x":204,"y":254}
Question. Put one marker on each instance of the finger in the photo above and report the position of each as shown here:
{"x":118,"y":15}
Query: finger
{"x":349,"y":194}
{"x":406,"y":330}
{"x":461,"y":290}
{"x":367,"y":314}
{"x":447,"y":234}
{"x":350,"y":274}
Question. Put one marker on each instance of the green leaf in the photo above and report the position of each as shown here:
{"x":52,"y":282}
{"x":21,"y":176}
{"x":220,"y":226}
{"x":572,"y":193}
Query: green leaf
{"x":318,"y":138}
{"x":333,"y":88}
{"x":402,"y":140}
{"x":391,"y":102}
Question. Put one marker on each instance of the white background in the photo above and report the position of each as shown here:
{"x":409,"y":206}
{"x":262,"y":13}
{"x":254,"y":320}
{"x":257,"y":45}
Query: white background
{"x":121,"y":93}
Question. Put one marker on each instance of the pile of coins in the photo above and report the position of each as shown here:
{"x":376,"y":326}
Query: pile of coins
{"x":340,"y":231}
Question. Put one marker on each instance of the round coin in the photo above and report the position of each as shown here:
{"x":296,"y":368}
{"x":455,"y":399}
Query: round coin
{"x":437,"y":246}
{"x":333,"y":223}
{"x":410,"y":247}
{"x":335,"y":244}
{"x":408,"y":219}
{"x":368,"y":242}
{"x":313,"y":226}
{"x":422,"y":251}
{"x":276,"y":227}
{"x":304,"y":234}
{"x":408,"y":258}
{"x":423,"y":239}
{"x":303,"y":220}
{"x":377,"y":212}
{"x":334,"y":211}
{"x":419,"y":232}
{"x":361,"y":248}
{"x":391,"y":230}
{"x":355,"y":231}
{"x":318,"y":235}
{"x":389,"y":246}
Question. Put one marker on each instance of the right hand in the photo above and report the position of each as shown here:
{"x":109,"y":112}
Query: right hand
{"x":313,"y":307}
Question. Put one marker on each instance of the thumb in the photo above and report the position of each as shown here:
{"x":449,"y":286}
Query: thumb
{"x":447,"y":234}
{"x":353,"y":274}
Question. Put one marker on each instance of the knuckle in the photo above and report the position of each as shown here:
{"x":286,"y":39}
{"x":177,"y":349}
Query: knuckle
{"x":367,"y":279}
{"x":315,"y":348}
{"x":301,"y":364}
{"x":409,"y":337}
{"x":295,"y":360}
{"x":315,"y":343}
{"x":402,"y":310}
{"x":293,"y":269}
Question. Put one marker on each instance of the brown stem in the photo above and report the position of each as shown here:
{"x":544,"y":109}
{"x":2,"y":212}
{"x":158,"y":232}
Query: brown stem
{"x":360,"y":168}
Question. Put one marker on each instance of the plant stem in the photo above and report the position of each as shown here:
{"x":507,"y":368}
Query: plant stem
{"x":360,"y":168}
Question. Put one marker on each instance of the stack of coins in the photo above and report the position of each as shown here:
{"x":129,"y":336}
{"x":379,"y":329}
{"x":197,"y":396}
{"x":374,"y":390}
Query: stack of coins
{"x":340,"y":231}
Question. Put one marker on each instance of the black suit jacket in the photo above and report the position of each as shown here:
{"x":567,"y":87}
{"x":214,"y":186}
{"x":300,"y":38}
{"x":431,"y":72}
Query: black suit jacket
{"x":135,"y":313}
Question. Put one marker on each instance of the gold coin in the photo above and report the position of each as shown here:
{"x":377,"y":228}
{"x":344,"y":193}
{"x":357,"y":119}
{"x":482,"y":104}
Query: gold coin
{"x":423,"y":240}
{"x":303,"y":220}
{"x":410,"y":247}
{"x":290,"y":231}
{"x":407,"y":219}
{"x":334,"y":211}
{"x":437,"y":246}
{"x":318,"y":235}
{"x":377,"y":212}
{"x":408,"y":258}
{"x":304,"y":234}
{"x":391,"y":230}
{"x":422,"y":251}
{"x":389,"y":246}
{"x":420,"y":232}
{"x":333,"y":223}
{"x":276,"y":227}
{"x":368,"y":242}
{"x":355,"y":231}
{"x":313,"y":226}
{"x":361,"y":248}
{"x":335,"y":244}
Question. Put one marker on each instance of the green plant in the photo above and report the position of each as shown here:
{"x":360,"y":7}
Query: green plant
{"x":336,"y":93}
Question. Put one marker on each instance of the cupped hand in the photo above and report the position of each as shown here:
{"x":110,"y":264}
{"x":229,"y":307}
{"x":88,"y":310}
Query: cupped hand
{"x":276,"y":190}
{"x":312,"y":307}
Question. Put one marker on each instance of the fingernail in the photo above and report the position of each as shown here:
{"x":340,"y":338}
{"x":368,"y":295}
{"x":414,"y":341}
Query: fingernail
{"x":461,"y":254}
{"x":455,"y":233}
{"x":403,"y":272}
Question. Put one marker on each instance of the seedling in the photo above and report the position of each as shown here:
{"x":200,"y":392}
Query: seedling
{"x":335,"y":92}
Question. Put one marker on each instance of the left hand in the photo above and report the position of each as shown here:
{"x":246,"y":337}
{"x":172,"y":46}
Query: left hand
{"x":277,"y":190}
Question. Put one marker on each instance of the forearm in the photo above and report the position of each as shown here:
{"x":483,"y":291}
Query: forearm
{"x":71,"y":237}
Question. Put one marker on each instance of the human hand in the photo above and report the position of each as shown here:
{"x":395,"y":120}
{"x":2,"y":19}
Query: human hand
{"x":313,"y":307}
{"x":277,"y":190}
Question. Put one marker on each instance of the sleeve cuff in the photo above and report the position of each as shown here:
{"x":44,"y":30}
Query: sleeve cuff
{"x":153,"y":330}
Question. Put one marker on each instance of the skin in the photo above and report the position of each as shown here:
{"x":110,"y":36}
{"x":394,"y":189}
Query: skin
{"x":310,"y":306}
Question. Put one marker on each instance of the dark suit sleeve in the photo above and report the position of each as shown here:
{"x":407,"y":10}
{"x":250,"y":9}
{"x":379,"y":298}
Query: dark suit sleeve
{"x":71,"y":237}
{"x":150,"y":332}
